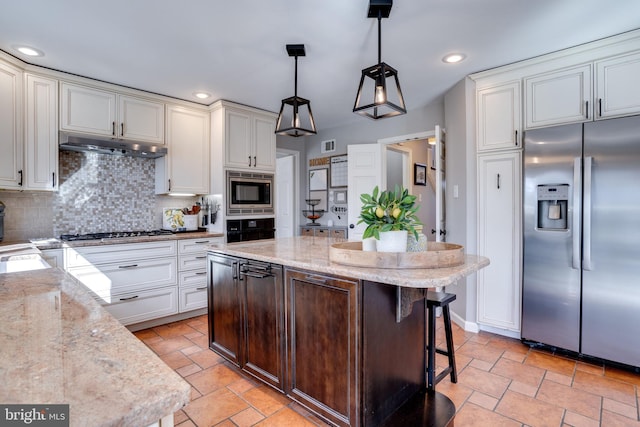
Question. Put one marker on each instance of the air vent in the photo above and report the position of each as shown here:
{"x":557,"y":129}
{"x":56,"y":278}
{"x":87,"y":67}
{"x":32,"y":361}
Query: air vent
{"x":328,"y":146}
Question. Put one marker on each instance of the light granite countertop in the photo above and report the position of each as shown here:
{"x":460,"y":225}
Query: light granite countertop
{"x":54,"y":243}
{"x":312,"y":253}
{"x":59,"y":346}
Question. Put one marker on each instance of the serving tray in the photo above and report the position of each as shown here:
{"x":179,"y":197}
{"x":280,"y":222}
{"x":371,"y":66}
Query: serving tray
{"x":437,"y":255}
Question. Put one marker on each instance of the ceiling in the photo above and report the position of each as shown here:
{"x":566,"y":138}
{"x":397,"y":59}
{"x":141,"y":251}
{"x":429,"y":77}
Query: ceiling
{"x":235,"y":50}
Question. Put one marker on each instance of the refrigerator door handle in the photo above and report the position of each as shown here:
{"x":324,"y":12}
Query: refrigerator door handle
{"x":588,"y":163}
{"x":576,"y":213}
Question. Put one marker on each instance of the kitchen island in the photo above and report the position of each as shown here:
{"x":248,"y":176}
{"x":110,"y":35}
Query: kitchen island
{"x":346,"y":342}
{"x":59,"y":346}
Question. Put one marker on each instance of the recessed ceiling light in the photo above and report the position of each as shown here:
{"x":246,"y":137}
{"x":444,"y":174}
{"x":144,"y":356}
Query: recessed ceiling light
{"x":29,"y":51}
{"x":453,"y":58}
{"x":201,"y":95}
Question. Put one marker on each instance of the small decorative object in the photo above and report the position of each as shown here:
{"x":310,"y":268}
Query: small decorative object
{"x":419,"y":244}
{"x":389,"y":211}
{"x":313,"y":214}
{"x":419,"y":174}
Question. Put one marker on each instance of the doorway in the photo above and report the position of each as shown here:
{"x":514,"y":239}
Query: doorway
{"x":286,"y":192}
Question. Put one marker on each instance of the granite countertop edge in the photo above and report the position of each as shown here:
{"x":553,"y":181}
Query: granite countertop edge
{"x":312,"y":253}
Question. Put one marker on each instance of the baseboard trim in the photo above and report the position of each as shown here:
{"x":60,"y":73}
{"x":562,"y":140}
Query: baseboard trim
{"x":164,"y":320}
{"x":467,"y":326}
{"x":500,"y":331}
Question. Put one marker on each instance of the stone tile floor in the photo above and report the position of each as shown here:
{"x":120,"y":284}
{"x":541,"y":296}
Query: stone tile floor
{"x":501,"y":382}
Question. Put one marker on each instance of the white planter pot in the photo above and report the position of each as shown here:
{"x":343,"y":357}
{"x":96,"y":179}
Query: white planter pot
{"x":369,"y":244}
{"x":392,"y":241}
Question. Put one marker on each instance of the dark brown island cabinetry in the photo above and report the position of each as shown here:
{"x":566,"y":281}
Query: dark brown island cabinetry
{"x":246,"y":318}
{"x":347,"y":359}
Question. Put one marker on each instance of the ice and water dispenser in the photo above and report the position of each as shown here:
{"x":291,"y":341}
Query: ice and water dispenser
{"x":552,"y":207}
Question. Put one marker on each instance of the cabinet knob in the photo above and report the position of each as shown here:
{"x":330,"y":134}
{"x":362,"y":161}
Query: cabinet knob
{"x":352,"y":226}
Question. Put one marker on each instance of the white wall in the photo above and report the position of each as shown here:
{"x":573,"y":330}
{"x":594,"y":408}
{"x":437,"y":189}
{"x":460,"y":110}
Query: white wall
{"x":459,"y":108}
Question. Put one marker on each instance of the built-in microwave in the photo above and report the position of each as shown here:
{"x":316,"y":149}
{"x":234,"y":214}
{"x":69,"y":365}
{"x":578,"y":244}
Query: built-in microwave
{"x":249,"y":193}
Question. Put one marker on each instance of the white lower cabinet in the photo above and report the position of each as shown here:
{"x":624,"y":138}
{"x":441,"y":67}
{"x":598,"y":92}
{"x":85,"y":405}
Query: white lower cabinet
{"x":137,"y":307}
{"x":499,"y":231}
{"x":192,"y":267}
{"x":135,"y":282}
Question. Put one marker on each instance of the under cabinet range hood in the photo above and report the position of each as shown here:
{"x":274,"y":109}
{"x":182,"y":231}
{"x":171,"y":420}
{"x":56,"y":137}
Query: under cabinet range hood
{"x":96,"y":144}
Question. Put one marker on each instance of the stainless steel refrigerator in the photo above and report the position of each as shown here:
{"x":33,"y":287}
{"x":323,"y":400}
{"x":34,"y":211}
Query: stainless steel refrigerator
{"x":581,"y":269}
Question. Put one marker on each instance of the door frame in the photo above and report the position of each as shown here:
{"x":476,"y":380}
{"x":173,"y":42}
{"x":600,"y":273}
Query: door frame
{"x":283,"y":152}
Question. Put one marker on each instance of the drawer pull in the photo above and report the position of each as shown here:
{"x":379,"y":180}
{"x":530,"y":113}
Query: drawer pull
{"x":201,"y":257}
{"x":128,"y":266}
{"x":201,"y":273}
{"x":202,"y":242}
{"x":128,"y":298}
{"x":204,"y":288}
{"x":316,"y":279}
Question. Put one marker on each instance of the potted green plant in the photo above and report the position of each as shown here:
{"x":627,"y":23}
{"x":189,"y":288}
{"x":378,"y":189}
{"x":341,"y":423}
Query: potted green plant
{"x":388,"y":212}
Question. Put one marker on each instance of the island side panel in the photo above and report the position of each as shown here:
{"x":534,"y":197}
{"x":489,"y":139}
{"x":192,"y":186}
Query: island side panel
{"x":322,"y":339}
{"x":393,"y":357}
{"x":225,"y":322}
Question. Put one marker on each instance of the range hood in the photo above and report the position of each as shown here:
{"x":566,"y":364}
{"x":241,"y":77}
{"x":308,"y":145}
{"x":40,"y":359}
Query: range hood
{"x":96,"y":144}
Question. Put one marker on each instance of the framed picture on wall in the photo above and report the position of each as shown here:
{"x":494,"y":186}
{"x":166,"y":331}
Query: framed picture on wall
{"x":318,"y":179}
{"x":419,"y":174}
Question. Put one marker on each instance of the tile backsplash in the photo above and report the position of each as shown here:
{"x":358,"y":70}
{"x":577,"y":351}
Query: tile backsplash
{"x":97,"y":193}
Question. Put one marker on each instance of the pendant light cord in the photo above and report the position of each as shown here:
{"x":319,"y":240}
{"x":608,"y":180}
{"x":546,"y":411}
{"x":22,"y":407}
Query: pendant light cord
{"x":379,"y":37}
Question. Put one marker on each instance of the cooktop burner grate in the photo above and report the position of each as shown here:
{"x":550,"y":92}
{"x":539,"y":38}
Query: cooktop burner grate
{"x":114,"y":235}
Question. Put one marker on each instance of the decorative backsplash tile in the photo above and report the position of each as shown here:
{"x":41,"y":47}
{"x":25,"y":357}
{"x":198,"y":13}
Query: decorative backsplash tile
{"x":102,"y":193}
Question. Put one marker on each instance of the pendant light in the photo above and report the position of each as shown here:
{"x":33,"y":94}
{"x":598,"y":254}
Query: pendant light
{"x":378,"y":79}
{"x":295,"y":118}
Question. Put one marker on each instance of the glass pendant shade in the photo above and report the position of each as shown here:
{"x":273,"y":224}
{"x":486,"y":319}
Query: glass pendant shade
{"x":380,"y":86}
{"x":379,"y":95}
{"x":295,"y":118}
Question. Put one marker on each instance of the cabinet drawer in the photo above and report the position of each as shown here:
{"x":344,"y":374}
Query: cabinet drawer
{"x":127,"y":253}
{"x":197,"y":245}
{"x":193,"y":298}
{"x":111,"y":279}
{"x":137,"y":307}
{"x":192,"y":262}
{"x":193,"y":278}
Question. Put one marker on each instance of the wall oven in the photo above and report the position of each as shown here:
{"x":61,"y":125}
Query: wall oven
{"x":249,"y":193}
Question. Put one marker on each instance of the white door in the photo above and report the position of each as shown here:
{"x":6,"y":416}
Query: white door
{"x":365,"y":171}
{"x":285,"y":190}
{"x":439,"y":162}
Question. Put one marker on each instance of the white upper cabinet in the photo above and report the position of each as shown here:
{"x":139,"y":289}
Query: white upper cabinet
{"x":94,"y":111}
{"x":498,"y":116}
{"x":11,"y":140}
{"x":41,"y":133}
{"x":558,"y":97}
{"x":617,"y":88}
{"x":185,"y":169}
{"x":250,"y":140}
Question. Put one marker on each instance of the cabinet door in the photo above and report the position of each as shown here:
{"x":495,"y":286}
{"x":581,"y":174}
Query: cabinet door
{"x":41,"y":133}
{"x":140,"y":119}
{"x":225,"y":327}
{"x":87,"y":110}
{"x":498,"y":117}
{"x":263,"y":291}
{"x":238,"y":144}
{"x":264,"y":144}
{"x":617,"y":89}
{"x":137,"y":307}
{"x":322,"y":351}
{"x":188,"y":160}
{"x":11,"y":171}
{"x":499,"y":231}
{"x":558,"y":98}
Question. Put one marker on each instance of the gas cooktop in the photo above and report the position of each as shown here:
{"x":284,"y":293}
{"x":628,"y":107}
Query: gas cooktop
{"x":114,"y":235}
